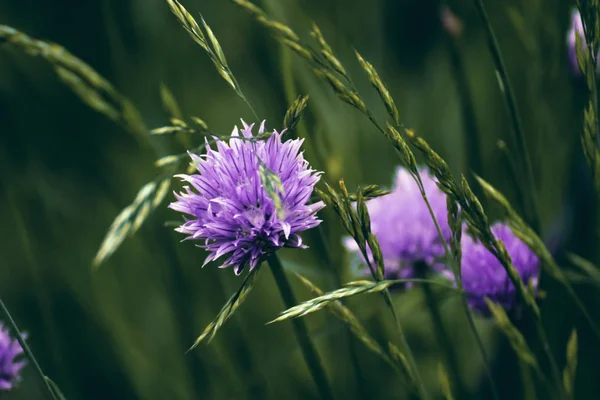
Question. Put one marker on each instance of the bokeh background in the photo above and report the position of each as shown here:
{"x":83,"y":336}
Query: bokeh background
{"x":66,"y":171}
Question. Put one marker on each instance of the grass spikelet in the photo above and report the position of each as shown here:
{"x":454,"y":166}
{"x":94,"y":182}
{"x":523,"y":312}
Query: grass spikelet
{"x":273,"y":186}
{"x":277,"y":29}
{"x":189,"y":23}
{"x":514,"y":336}
{"x":586,"y":266}
{"x":166,"y":130}
{"x":229,"y":308}
{"x":132,"y":217}
{"x":210,"y":45}
{"x":402,"y":148}
{"x":200,"y":123}
{"x":375,"y":80}
{"x":369,"y":192}
{"x":293,"y":114}
{"x":537,"y":246}
{"x":571,"y":366}
{"x":351,"y":289}
{"x":169,"y":102}
{"x":327,"y":52}
{"x":348,"y":317}
{"x":402,"y":360}
{"x":455,"y":224}
{"x":344,"y":92}
{"x":83,"y":80}
{"x":588,"y":62}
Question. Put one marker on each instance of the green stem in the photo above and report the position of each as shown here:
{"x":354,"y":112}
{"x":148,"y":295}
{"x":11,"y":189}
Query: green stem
{"x":441,"y":334}
{"x":463,"y":294}
{"x":530,"y":202}
{"x":556,"y":375}
{"x":411,"y":359}
{"x":484,"y":356}
{"x":306,"y":345}
{"x":13,"y":326}
{"x":472,"y":143}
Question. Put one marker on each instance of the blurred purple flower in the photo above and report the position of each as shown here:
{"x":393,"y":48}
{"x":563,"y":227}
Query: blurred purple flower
{"x":483,"y":275}
{"x":249,"y":198}
{"x":403,"y":225}
{"x":576,"y":27}
{"x":10,"y":369}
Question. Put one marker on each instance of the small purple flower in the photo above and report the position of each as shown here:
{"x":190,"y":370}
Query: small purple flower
{"x":249,"y":198}
{"x":403,"y":225}
{"x":483,"y":275}
{"x":10,"y":369}
{"x":576,"y":27}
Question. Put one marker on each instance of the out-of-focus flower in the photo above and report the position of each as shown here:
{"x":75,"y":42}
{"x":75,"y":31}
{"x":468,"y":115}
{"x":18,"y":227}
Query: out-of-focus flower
{"x":249,"y":198}
{"x":404,"y":227}
{"x":10,"y":367}
{"x":576,"y":28}
{"x":483,"y":275}
{"x":450,"y":22}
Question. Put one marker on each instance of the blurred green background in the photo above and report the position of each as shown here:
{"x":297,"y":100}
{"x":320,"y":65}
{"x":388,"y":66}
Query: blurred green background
{"x":66,"y":172}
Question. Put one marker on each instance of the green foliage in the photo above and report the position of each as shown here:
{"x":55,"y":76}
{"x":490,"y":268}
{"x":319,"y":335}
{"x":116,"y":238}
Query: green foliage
{"x":571,"y":367}
{"x":136,"y":315}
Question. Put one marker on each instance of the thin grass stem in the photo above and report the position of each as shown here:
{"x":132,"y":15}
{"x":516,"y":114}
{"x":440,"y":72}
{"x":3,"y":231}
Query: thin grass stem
{"x":441,"y":334}
{"x":529,"y":199}
{"x":48,"y":393}
{"x":309,"y":351}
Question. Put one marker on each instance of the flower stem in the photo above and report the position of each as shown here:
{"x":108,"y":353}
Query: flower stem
{"x":13,"y":326}
{"x":530,"y":202}
{"x":306,"y":345}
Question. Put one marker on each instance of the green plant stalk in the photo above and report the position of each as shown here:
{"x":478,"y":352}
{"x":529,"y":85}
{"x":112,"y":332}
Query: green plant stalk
{"x":49,"y":394}
{"x":467,"y":108}
{"x":527,"y":382}
{"x":309,"y":351}
{"x":556,"y":375}
{"x":530,"y":202}
{"x":411,"y":359}
{"x":441,"y":335}
{"x":290,"y":90}
{"x":463,"y":295}
{"x":388,"y":301}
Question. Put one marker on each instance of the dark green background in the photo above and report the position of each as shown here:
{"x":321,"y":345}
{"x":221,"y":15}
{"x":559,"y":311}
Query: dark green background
{"x":66,"y":171}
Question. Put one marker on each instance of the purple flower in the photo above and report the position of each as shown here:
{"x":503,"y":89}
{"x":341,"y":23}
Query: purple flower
{"x":249,"y":198}
{"x":576,"y":27}
{"x":10,"y":369}
{"x":403,"y":225}
{"x":483,"y":275}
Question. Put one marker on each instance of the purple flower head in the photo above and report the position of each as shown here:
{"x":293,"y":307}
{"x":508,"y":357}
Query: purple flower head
{"x":483,"y":275}
{"x":10,"y":369}
{"x":403,"y":225}
{"x":576,"y":27}
{"x":249,"y":198}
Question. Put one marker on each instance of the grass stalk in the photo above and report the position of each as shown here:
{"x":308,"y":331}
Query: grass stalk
{"x":463,"y":294}
{"x":441,"y":334}
{"x":529,"y":199}
{"x":309,"y":351}
{"x":48,"y":393}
